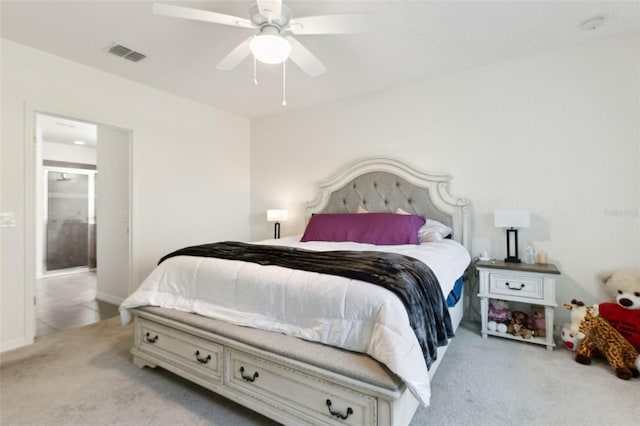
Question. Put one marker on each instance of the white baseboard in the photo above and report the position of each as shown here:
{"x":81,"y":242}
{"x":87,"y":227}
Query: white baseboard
{"x":14,"y":344}
{"x":109,"y":298}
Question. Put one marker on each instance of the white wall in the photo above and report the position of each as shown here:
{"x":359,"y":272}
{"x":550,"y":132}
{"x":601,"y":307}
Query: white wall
{"x":556,"y":134}
{"x":190,"y":164}
{"x":69,"y":153}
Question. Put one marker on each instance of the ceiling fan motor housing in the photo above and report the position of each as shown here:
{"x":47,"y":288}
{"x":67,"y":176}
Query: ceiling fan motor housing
{"x":268,"y":20}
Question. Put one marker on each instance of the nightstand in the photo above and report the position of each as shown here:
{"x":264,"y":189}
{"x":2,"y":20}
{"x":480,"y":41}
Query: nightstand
{"x":518,"y":282}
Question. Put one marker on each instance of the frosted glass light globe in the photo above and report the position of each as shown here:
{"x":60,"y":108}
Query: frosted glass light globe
{"x":270,"y":49}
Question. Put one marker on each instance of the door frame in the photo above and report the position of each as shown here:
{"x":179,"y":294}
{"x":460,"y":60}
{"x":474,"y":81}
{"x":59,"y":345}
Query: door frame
{"x":31,"y":167}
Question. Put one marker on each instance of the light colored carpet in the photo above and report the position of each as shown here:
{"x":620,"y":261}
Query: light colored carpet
{"x":85,"y":377}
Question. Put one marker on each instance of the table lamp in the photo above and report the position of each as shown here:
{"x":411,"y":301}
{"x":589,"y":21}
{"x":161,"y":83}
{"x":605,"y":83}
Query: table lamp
{"x":512,"y":219}
{"x":277,"y":216}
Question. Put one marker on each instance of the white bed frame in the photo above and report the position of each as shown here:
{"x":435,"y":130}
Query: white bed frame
{"x":287,"y":379}
{"x":427,"y":194}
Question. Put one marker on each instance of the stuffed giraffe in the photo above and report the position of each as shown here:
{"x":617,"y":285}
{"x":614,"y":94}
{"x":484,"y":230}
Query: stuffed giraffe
{"x":596,"y":335}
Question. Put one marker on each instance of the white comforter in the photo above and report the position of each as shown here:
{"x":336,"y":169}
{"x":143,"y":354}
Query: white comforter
{"x":337,"y":311}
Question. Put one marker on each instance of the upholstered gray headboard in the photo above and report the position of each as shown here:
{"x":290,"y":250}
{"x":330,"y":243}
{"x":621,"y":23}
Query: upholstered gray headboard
{"x":384,"y":184}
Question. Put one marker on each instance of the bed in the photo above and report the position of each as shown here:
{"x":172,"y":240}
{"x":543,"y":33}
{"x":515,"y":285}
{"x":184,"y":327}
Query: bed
{"x":303,"y":344}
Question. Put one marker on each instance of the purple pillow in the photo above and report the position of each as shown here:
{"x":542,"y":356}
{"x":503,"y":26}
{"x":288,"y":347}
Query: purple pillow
{"x":371,"y":228}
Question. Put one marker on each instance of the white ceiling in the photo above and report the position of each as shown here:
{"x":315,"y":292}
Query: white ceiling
{"x":411,"y":40}
{"x":65,"y":131}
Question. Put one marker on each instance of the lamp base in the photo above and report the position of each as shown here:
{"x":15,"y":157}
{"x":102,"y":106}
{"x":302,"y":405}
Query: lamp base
{"x":512,"y":246}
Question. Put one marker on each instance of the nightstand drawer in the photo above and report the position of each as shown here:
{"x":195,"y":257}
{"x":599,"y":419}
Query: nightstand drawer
{"x":516,"y":285}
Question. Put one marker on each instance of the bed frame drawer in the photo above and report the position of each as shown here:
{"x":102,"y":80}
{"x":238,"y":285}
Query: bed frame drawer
{"x":518,"y":285}
{"x":308,"y":397}
{"x":288,"y":390}
{"x":201,"y":357}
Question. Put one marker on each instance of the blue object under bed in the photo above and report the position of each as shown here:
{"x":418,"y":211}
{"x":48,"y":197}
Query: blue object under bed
{"x":456,"y":293}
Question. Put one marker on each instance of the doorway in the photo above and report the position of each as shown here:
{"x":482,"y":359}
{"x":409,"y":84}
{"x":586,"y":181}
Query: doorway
{"x":69,"y":208}
{"x":82,"y":211}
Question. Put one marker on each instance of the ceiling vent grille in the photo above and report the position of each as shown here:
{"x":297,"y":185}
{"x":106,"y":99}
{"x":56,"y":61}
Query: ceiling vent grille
{"x":126,"y":53}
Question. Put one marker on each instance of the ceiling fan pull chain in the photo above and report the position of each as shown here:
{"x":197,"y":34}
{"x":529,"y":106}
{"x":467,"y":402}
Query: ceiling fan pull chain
{"x":255,"y":75}
{"x":284,"y":84}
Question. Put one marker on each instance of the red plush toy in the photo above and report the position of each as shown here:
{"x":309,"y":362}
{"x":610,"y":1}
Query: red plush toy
{"x":626,"y":321}
{"x":624,"y":314}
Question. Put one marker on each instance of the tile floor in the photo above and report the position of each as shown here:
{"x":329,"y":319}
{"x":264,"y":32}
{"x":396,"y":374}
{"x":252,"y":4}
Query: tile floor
{"x":68,"y":301}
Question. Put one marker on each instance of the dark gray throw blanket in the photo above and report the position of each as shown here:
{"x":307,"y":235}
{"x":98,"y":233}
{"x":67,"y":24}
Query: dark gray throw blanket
{"x":408,"y":278}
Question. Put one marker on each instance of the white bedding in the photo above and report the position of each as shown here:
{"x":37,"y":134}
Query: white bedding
{"x":337,"y":311}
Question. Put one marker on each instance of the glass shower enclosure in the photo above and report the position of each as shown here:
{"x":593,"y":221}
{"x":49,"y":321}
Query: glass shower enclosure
{"x":70,"y":234}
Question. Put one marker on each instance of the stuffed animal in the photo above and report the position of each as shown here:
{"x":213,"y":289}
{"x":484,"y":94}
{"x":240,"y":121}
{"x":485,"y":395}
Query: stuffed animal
{"x":498,"y":315}
{"x":519,"y":325}
{"x":537,"y":322}
{"x":578,"y":311}
{"x":569,"y":339}
{"x":499,"y":327}
{"x":624,"y":286}
{"x":596,"y":335}
{"x":624,"y":315}
{"x":625,"y":321}
{"x":498,"y":311}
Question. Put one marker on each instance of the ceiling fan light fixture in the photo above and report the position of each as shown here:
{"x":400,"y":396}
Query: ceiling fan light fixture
{"x":270,"y":48}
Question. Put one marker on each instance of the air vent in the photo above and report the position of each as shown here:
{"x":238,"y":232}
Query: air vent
{"x":135,"y":56}
{"x":126,"y":53}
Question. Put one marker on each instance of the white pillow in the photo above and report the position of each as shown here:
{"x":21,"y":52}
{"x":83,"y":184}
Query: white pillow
{"x":362,"y":210}
{"x":431,"y":231}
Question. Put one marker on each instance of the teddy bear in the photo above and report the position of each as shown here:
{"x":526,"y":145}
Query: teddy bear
{"x":537,"y":322}
{"x":498,"y":315}
{"x":519,"y":325}
{"x":623,"y":314}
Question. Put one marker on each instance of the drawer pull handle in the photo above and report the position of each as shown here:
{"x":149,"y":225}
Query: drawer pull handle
{"x":249,"y":378}
{"x":202,"y":360}
{"x":337,"y":414}
{"x":150,"y":339}
{"x":514,"y":288}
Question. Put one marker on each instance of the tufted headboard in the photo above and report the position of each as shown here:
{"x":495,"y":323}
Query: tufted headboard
{"x":383,"y":184}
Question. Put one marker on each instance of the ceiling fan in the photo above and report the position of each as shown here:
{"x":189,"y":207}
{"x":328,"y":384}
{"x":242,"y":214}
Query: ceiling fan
{"x":273,"y":23}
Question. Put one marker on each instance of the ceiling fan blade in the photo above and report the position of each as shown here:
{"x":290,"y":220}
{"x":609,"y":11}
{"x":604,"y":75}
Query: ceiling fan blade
{"x":303,"y":58}
{"x":236,"y":56}
{"x":272,"y":9}
{"x":331,"y":24}
{"x":201,"y":15}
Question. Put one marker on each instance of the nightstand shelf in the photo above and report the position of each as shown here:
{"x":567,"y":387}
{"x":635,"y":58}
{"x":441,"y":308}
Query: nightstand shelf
{"x":522,"y":283}
{"x":537,"y":340}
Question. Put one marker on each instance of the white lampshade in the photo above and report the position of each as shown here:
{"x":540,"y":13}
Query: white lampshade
{"x":511,"y":218}
{"x":270,"y":48}
{"x":277,"y":215}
